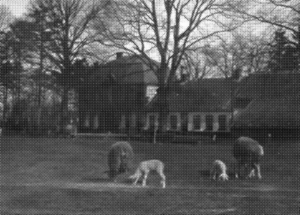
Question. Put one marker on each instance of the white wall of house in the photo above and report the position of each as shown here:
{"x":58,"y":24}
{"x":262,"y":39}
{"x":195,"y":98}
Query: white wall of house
{"x":130,"y":120}
{"x":150,"y":116}
{"x":170,"y":125}
{"x":197,"y":121}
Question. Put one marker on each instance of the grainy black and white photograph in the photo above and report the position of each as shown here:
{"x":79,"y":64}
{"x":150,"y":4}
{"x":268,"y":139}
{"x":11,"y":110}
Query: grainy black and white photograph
{"x":149,"y":107}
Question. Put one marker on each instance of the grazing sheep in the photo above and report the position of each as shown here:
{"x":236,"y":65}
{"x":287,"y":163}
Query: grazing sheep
{"x":218,"y":171}
{"x":120,"y":157}
{"x":145,"y":167}
{"x":248,"y":153}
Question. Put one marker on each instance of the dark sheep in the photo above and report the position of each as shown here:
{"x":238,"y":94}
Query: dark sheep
{"x":248,"y":153}
{"x":119,"y":159}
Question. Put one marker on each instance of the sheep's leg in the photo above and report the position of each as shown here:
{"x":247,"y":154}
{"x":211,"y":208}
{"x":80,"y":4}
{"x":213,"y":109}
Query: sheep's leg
{"x":248,"y":171}
{"x":144,"y":179}
{"x":252,"y":173}
{"x":213,"y":173}
{"x":136,"y":180}
{"x":237,"y":170}
{"x":214,"y":176}
{"x":257,"y":168}
{"x":163,"y":179}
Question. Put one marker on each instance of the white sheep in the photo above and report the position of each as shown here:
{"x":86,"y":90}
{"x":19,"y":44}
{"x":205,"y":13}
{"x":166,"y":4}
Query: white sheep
{"x":144,"y":169}
{"x":248,"y":153}
{"x":218,"y":171}
{"x":119,"y":158}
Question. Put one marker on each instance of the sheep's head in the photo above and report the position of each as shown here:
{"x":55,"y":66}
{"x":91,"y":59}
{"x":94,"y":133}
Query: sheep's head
{"x":223,"y":177}
{"x":134,"y":176}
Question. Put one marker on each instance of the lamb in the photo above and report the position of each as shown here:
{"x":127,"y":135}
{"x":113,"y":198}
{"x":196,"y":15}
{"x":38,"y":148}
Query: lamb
{"x":248,"y":153}
{"x":218,"y":171}
{"x":145,"y":167}
{"x":120,"y":157}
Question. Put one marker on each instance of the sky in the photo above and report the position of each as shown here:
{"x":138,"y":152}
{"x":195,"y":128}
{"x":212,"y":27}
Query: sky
{"x":17,"y":7}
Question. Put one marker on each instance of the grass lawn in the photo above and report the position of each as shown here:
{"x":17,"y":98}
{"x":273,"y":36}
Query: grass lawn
{"x":66,"y":176}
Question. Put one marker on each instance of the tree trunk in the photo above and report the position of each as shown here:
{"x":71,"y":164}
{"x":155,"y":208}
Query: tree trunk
{"x":298,"y":48}
{"x":4,"y":116}
{"x":163,"y":110}
{"x":39,"y":116}
{"x":63,"y":111}
{"x":40,"y":84}
{"x":163,"y":114}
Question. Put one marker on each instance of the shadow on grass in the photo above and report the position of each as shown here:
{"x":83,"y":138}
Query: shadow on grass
{"x":106,"y":180}
{"x":204,"y":173}
{"x":95,"y":180}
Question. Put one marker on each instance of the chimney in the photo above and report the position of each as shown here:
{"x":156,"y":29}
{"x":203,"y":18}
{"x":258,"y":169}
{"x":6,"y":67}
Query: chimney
{"x":119,"y":55}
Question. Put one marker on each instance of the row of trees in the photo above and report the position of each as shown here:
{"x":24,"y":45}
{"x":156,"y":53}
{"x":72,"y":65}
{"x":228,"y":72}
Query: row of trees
{"x":40,"y":51}
{"x":50,"y":40}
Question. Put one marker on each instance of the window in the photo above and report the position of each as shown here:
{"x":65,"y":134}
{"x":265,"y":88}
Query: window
{"x":151,"y":122}
{"x":127,"y":121}
{"x":222,"y":122}
{"x":123,"y":121}
{"x":197,"y":122}
{"x":151,"y":92}
{"x":133,"y":120}
{"x":87,"y":120}
{"x":173,"y":122}
{"x":209,"y":122}
{"x":96,"y":122}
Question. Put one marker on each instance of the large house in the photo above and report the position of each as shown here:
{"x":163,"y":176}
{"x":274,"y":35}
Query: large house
{"x":116,"y":94}
{"x":201,"y":106}
{"x":120,"y":96}
{"x":268,"y":102}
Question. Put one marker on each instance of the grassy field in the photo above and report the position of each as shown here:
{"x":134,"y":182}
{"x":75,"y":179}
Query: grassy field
{"x":66,"y":176}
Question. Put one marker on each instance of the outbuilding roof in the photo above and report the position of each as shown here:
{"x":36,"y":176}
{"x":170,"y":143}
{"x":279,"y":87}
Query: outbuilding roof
{"x":205,"y":95}
{"x":274,"y":101}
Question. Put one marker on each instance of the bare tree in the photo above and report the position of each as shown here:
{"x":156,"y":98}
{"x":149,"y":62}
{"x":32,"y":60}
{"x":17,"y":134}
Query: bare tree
{"x":6,"y":18}
{"x":282,"y":14}
{"x":196,"y":65}
{"x":165,"y":30}
{"x":68,"y":23}
{"x":241,"y":55}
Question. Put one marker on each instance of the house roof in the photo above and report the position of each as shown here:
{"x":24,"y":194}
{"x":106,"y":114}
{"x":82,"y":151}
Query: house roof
{"x":128,"y":69}
{"x":279,"y":112}
{"x":275,"y":101}
{"x":205,"y":95}
{"x":268,"y":85}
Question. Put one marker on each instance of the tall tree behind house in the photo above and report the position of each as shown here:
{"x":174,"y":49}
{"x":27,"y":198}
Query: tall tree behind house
{"x":281,"y":15}
{"x":283,"y":54}
{"x":68,"y":22}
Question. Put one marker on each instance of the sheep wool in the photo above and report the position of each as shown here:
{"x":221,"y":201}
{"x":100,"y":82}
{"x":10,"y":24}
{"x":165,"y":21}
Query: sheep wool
{"x":248,"y":152}
{"x":120,"y":157}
